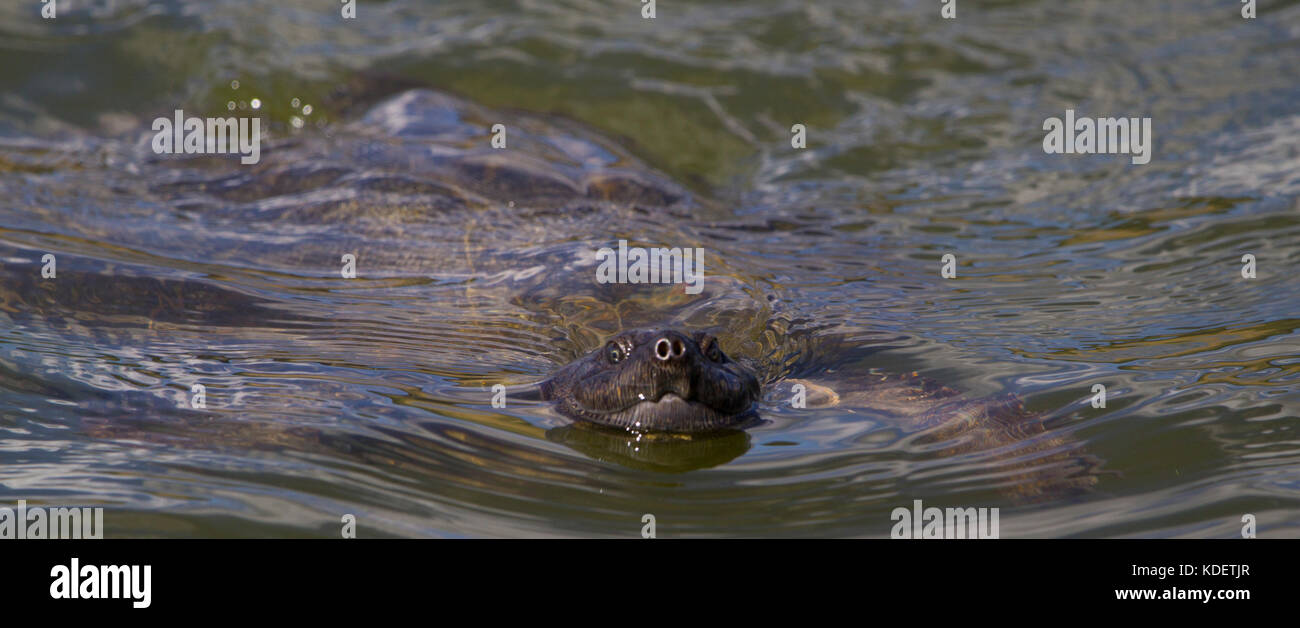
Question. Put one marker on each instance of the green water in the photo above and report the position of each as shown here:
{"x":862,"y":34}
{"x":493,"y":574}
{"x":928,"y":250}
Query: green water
{"x":924,"y":137}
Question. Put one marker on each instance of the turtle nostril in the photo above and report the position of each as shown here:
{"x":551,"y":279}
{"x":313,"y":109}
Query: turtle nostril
{"x":678,"y":349}
{"x":662,"y":349}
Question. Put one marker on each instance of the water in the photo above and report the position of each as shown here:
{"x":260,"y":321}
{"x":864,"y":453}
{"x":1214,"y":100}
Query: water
{"x":371,"y":396}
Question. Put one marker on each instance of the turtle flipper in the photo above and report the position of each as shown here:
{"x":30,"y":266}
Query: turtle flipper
{"x":812,"y":394}
{"x":1034,"y":463}
{"x":1031,"y":462}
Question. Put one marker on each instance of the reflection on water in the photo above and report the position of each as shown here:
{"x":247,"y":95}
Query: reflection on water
{"x":665,"y":453}
{"x":372,"y":395}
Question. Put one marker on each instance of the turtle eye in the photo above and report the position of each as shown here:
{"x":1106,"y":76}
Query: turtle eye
{"x":614,"y":353}
{"x":713,"y":352}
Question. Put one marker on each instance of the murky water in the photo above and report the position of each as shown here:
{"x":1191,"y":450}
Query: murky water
{"x":372,"y":396}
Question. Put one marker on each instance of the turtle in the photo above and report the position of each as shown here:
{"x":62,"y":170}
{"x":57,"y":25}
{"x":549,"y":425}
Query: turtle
{"x":410,"y":186}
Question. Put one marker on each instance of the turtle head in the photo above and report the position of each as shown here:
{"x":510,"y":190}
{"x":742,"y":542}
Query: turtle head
{"x":656,"y":380}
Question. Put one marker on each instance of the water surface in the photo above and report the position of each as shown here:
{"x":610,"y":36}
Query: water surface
{"x":372,"y":396}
